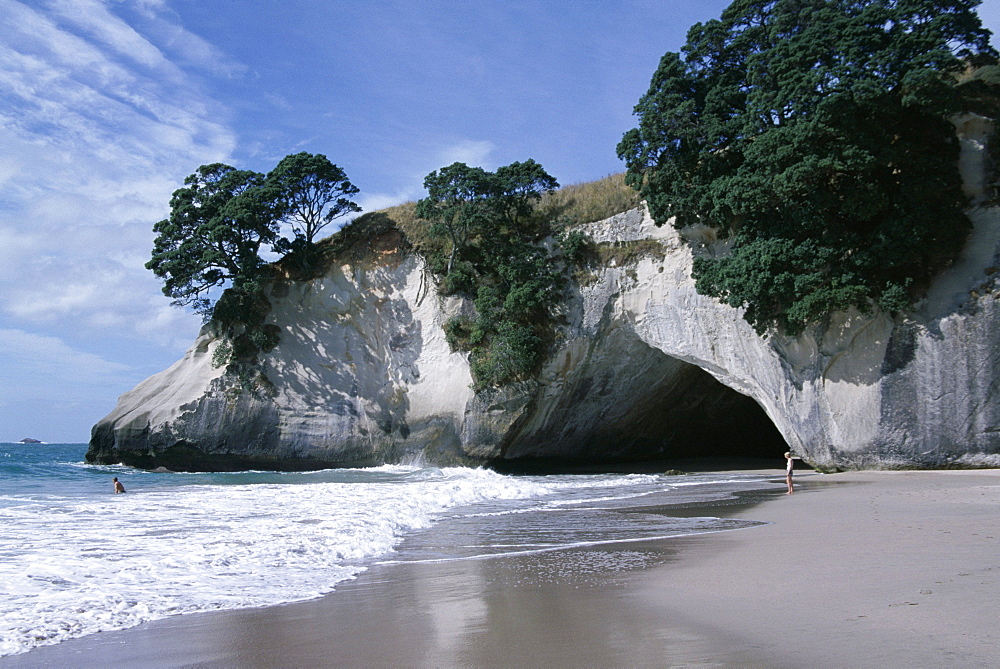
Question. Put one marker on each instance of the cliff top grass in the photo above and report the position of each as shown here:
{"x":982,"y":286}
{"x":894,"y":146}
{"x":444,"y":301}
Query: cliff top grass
{"x":588,"y":202}
{"x":566,"y":207}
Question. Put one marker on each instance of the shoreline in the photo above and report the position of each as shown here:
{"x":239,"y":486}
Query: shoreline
{"x":855,"y":569}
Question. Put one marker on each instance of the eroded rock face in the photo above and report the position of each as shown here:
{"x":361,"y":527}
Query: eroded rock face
{"x":645,"y":368}
{"x":862,"y":391}
{"x":608,"y":395}
{"x":362,"y":375}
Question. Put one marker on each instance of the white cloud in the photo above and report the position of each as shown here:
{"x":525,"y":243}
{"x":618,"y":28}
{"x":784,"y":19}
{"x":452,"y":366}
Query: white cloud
{"x":470,"y":152}
{"x":94,"y":19}
{"x":93,"y":278}
{"x":377,"y":201}
{"x":168,"y":326}
{"x":99,"y":124}
{"x":183,"y":46}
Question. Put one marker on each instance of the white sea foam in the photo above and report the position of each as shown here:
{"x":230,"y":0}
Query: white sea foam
{"x":75,"y":562}
{"x":85,"y":566}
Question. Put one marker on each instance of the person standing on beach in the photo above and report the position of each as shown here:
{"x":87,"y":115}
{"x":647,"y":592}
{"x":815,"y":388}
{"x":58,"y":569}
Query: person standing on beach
{"x":789,"y":466}
{"x":118,"y":485}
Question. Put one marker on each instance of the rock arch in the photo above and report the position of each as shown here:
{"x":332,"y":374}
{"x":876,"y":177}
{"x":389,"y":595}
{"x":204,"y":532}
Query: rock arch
{"x":617,"y":400}
{"x":858,"y":391}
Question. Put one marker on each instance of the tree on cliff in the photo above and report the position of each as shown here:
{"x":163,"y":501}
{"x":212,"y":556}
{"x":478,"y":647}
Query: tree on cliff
{"x":519,"y":187}
{"x":464,"y":202}
{"x":223,"y":216}
{"x":815,"y":136}
{"x":218,"y":222}
{"x":457,"y":204}
{"x":494,"y":258}
{"x":312,"y":192}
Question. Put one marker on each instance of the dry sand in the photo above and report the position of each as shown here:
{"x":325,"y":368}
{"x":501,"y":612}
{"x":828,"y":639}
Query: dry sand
{"x":867,"y":569}
{"x":854,"y":570}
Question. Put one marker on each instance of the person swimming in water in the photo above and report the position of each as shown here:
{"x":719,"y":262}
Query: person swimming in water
{"x":118,"y":486}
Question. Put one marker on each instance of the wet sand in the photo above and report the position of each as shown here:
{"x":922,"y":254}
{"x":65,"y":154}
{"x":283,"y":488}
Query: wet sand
{"x":856,"y":569}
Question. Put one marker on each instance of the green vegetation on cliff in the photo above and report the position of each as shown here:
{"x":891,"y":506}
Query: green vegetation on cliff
{"x":218,"y":224}
{"x":490,"y":239}
{"x":499,"y":260}
{"x":311,"y":193}
{"x":815,"y":136}
{"x":569,"y":205}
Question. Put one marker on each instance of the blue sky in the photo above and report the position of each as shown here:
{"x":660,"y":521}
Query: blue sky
{"x":106,"y":105}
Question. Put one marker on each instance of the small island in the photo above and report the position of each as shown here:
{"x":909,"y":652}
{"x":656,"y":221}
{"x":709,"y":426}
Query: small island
{"x":29,"y":440}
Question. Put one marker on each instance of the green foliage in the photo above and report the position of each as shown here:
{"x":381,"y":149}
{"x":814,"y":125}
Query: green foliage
{"x":815,"y":134}
{"x":484,"y":223}
{"x":517,"y":188}
{"x":464,"y":202}
{"x":218,"y":223}
{"x":578,"y":248}
{"x":312,"y":193}
{"x":223,"y":216}
{"x":979,"y":87}
{"x":515,"y":350}
{"x":457,"y":205}
{"x":223,"y":354}
{"x":518,"y":285}
{"x":458,"y":332}
{"x":238,"y":321}
{"x":785,"y":277}
{"x":462,"y":279}
{"x":554,"y":210}
{"x":301,"y":259}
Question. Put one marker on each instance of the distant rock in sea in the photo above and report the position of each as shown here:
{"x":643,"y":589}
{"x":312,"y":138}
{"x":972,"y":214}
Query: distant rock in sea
{"x":29,"y":440}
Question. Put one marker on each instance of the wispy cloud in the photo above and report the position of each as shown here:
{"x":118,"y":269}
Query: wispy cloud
{"x":183,"y":47}
{"x":93,"y":20}
{"x":99,"y":123}
{"x":35,"y":363}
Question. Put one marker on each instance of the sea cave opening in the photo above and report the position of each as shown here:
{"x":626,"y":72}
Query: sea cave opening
{"x":642,"y":410}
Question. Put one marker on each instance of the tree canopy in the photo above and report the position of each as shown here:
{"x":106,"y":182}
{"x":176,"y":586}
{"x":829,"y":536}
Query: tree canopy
{"x":815,"y":136}
{"x":458,"y":203}
{"x":218,"y":222}
{"x":222,"y":217}
{"x":312,"y":192}
{"x":463,"y":202}
{"x":493,"y":256}
{"x":519,"y":187}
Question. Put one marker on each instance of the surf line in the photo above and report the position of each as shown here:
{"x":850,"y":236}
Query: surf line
{"x":579,"y":544}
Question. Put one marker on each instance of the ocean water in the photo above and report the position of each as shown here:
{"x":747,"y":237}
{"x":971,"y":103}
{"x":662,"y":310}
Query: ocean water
{"x":76,"y":559}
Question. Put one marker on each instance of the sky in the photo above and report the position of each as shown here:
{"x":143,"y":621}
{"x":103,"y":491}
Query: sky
{"x":107,"y":105}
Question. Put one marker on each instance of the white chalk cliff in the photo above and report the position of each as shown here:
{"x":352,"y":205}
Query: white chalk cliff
{"x":645,"y":367}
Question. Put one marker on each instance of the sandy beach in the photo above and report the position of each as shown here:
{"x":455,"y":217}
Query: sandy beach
{"x":854,"y":570}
